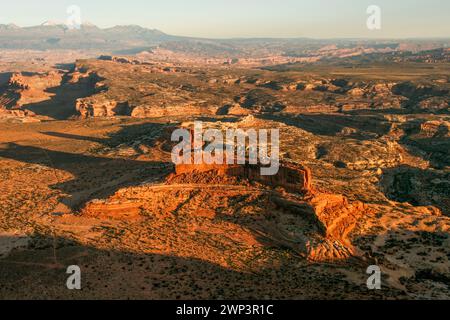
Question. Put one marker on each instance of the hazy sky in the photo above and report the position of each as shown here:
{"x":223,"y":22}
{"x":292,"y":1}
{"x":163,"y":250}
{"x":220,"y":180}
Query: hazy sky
{"x":247,"y":18}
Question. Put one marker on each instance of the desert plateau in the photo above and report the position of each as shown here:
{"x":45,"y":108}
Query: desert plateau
{"x":87,"y":177}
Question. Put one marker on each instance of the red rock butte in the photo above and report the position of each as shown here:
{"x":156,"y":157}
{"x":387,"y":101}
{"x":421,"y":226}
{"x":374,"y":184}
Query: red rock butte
{"x":292,"y":177}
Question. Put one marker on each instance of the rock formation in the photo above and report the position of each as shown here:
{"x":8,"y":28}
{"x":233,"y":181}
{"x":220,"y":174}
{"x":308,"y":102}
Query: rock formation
{"x":101,"y":106}
{"x":291,"y":177}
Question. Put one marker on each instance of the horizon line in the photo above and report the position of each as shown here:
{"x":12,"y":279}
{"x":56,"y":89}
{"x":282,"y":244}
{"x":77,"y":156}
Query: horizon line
{"x":347,"y":38}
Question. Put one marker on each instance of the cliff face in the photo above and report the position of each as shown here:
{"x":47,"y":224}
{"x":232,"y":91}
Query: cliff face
{"x":29,"y":88}
{"x":294,"y":178}
{"x":163,"y":110}
{"x":101,"y":107}
{"x":45,"y":95}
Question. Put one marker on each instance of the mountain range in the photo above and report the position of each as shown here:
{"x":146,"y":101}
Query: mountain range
{"x":133,"y":39}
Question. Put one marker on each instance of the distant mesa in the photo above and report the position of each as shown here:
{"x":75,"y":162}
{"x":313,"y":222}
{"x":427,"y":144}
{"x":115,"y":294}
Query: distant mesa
{"x":10,"y":26}
{"x":52,"y":23}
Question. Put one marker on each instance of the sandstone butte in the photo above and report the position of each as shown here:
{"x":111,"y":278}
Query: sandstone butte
{"x":333,"y":216}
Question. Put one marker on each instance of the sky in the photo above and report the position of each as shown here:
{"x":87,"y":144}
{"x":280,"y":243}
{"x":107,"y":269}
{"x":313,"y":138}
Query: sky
{"x":247,"y":18}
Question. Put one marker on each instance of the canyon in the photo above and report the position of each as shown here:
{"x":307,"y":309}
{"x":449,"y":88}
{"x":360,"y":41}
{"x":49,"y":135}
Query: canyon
{"x":87,"y":178}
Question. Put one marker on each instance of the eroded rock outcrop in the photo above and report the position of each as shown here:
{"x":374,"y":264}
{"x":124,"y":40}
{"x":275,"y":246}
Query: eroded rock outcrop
{"x":31,"y":88}
{"x":291,"y":177}
{"x":418,"y":187}
{"x":327,"y":219}
{"x":99,"y":106}
{"x":260,"y":101}
{"x":163,"y":110}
